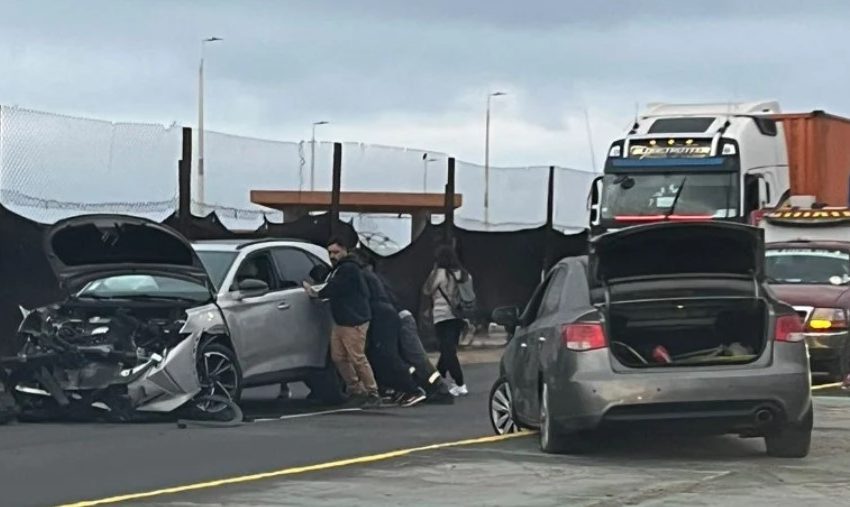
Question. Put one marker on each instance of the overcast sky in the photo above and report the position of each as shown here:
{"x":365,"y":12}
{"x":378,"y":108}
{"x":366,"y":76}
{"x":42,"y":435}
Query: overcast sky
{"x":416,"y":73}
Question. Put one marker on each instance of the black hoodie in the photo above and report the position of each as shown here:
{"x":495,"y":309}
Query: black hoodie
{"x":348,"y":293}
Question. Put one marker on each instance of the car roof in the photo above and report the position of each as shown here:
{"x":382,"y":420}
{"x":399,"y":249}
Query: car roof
{"x":250,"y":245}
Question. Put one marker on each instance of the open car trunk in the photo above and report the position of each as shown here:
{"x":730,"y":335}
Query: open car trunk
{"x":687,"y":332}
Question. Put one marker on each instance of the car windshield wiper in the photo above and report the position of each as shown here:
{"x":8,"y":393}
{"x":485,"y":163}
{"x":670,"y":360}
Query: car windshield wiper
{"x":676,"y":199}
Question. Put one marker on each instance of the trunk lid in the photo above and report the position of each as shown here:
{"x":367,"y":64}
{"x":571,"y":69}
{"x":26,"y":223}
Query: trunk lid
{"x":664,"y":250}
{"x":84,"y":248}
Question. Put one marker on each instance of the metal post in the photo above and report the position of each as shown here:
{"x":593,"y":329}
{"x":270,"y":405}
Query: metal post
{"x":487,"y":160}
{"x":184,"y":181}
{"x":335,"y":190}
{"x":449,"y":222}
{"x":200,"y":195}
{"x":487,"y":166}
{"x":550,"y":221}
{"x":313,"y":155}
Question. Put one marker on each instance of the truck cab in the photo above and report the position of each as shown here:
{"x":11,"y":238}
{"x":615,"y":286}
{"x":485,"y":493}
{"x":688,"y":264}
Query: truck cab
{"x":808,"y":267}
{"x":692,"y":162}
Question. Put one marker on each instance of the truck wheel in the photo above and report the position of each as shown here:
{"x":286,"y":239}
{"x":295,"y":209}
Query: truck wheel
{"x":791,"y":440}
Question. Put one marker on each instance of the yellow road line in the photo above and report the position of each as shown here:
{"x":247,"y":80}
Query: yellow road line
{"x":827,"y":386}
{"x":296,"y":470}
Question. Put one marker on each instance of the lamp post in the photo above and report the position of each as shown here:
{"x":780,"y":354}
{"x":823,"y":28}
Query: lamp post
{"x":200,"y":191}
{"x":425,"y":161}
{"x":313,"y":155}
{"x":487,"y":160}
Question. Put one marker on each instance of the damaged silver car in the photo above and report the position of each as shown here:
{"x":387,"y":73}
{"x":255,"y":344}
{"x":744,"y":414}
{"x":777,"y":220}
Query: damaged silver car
{"x":143,"y":329}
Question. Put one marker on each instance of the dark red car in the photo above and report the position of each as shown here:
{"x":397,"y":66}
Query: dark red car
{"x":814,"y":278}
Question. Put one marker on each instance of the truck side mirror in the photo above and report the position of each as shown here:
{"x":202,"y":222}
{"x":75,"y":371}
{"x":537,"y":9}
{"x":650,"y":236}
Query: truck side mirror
{"x":764,"y":191}
{"x":594,"y":201}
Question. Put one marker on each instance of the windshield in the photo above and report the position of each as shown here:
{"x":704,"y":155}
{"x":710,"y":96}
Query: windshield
{"x":217,"y":265}
{"x":713,"y":195}
{"x":145,"y":286}
{"x":808,"y":266}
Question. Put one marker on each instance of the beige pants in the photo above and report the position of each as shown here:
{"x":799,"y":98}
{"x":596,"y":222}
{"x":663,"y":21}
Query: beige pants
{"x":348,"y":352}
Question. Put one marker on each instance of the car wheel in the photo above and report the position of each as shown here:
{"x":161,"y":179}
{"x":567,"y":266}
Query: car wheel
{"x":552,"y":439}
{"x":502,"y":415}
{"x":220,"y":375}
{"x":326,"y":385}
{"x":791,"y":440}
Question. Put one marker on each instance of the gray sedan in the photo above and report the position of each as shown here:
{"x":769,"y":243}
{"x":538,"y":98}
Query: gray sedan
{"x":661,"y":327}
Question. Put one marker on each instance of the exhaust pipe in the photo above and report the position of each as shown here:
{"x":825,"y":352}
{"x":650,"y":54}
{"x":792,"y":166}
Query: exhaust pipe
{"x":764,"y":416}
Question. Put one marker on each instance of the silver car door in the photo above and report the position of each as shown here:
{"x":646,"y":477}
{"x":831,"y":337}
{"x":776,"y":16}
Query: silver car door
{"x":308,"y":321}
{"x":255,"y":322}
{"x":525,"y":376}
{"x":544,"y":333}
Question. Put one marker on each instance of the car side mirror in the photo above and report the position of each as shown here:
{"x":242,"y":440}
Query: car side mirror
{"x":252,"y":288}
{"x":319,"y":273}
{"x":507,"y":317}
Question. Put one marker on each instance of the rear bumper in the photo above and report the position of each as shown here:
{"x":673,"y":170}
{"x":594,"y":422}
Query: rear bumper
{"x":714,"y":400}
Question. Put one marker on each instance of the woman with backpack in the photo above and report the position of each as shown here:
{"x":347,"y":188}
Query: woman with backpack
{"x":443,"y":288}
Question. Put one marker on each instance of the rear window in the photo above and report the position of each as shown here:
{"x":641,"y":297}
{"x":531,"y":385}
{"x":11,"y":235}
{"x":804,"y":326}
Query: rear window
{"x":818,"y":266}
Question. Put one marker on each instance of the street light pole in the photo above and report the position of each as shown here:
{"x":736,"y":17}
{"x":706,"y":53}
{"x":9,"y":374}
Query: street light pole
{"x":487,"y":160}
{"x":425,"y":161}
{"x":313,"y":155}
{"x":200,"y":191}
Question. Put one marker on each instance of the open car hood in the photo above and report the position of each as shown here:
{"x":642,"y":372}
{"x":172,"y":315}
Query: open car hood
{"x":670,"y":249}
{"x":84,"y":248}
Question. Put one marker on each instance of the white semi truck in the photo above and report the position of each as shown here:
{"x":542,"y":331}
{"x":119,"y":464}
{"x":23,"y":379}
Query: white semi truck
{"x":693,"y":162}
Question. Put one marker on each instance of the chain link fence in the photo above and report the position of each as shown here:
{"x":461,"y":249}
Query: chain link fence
{"x":54,"y":166}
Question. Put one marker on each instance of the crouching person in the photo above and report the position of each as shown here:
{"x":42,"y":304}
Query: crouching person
{"x":349,"y":299}
{"x":425,"y":374}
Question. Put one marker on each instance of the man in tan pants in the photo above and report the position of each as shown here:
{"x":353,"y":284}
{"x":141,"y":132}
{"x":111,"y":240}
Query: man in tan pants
{"x":349,"y":297}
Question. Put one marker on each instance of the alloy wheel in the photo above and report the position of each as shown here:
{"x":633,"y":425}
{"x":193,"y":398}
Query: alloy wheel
{"x":501,"y":409}
{"x":218,"y":378}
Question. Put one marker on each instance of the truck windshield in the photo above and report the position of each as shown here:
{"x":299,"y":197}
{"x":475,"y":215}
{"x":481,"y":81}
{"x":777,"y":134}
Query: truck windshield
{"x":807,"y":266}
{"x":712,"y":195}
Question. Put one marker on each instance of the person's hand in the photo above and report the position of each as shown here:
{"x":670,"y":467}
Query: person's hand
{"x":309,"y":289}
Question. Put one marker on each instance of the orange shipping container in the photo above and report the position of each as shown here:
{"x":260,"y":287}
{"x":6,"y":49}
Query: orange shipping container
{"x":818,"y":155}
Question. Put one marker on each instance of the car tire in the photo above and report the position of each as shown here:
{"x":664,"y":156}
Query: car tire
{"x":220,"y":361}
{"x":502,"y":413}
{"x":326,"y":385}
{"x":552,"y":439}
{"x":791,"y":440}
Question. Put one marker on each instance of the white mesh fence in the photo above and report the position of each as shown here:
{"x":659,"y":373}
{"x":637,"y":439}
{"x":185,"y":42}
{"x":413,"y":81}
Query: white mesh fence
{"x":54,"y":166}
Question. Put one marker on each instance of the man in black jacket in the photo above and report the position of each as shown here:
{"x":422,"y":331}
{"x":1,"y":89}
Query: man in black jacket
{"x":349,"y":298}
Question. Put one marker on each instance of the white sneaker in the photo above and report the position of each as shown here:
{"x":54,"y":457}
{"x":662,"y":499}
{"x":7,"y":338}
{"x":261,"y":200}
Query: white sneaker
{"x":459,"y":390}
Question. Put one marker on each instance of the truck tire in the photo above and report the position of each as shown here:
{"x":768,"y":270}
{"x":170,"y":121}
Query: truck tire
{"x":791,"y":440}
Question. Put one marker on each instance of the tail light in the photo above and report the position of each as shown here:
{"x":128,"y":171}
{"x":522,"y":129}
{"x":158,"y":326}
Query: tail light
{"x":789,"y":329}
{"x":584,"y":336}
{"x":827,"y":320}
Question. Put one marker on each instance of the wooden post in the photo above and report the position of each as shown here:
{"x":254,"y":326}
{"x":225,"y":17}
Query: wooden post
{"x":337,"y":182}
{"x":449,"y":222}
{"x":550,"y":222}
{"x":184,"y":182}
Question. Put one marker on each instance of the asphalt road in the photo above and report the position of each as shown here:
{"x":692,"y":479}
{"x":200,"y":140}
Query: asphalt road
{"x":49,"y":464}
